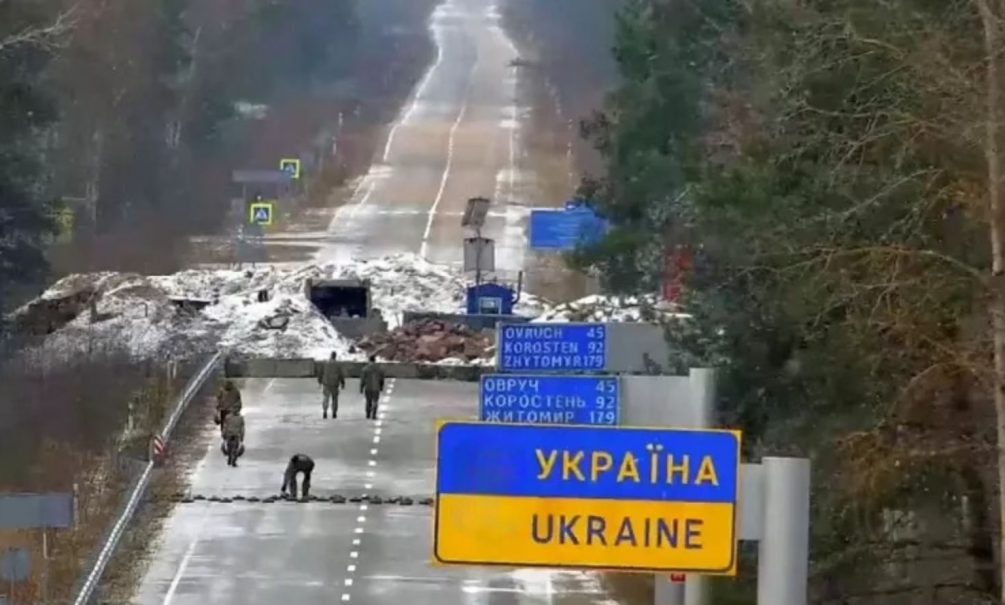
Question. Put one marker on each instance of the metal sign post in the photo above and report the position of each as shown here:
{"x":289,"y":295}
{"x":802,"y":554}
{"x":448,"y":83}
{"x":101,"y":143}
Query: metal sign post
{"x":479,"y":252}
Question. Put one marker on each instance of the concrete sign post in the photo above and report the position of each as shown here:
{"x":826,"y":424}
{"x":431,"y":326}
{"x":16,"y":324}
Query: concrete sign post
{"x":783,"y":552}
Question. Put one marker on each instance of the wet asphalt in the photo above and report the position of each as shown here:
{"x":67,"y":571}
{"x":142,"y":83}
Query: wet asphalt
{"x":258,"y":553}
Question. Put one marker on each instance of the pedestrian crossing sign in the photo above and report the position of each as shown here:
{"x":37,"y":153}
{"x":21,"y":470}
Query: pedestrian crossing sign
{"x":291,"y":167}
{"x":260,"y":213}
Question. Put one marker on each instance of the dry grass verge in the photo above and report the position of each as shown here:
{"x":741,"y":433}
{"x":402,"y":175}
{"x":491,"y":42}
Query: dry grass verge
{"x":187,"y":445}
{"x":61,"y":428}
{"x":630,"y":588}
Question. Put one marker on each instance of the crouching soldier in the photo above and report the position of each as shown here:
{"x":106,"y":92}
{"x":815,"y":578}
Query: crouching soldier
{"x":233,"y":436}
{"x":371,"y":383}
{"x":299,"y":463}
{"x":228,"y":401}
{"x":332,"y":380}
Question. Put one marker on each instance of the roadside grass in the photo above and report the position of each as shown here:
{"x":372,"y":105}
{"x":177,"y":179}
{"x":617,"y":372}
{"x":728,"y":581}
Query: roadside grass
{"x":61,"y":429}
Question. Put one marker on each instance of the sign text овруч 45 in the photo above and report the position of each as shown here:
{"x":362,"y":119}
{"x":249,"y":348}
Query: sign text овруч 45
{"x":549,"y":399}
{"x":634,"y":499}
{"x":552,"y":347}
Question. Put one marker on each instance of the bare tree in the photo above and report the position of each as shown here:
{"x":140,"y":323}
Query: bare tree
{"x":50,"y":36}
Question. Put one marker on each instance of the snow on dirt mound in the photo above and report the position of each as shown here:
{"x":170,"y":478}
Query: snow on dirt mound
{"x":197,"y":311}
{"x":599,"y":308}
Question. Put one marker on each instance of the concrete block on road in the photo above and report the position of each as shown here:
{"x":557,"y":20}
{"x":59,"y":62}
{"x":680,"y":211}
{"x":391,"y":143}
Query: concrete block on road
{"x":309,"y":368}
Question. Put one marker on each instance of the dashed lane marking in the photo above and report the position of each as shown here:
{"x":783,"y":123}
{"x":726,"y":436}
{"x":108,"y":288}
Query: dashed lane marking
{"x":361,"y":519}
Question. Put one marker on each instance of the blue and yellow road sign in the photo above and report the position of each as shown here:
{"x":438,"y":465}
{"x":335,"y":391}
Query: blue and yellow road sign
{"x":290,"y":166}
{"x":630,"y":499}
{"x":260,"y":213}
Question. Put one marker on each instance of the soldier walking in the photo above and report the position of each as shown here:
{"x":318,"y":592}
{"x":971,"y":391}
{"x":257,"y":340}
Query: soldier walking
{"x":233,"y":436}
{"x":332,"y":380}
{"x":228,"y":400}
{"x":371,"y":384}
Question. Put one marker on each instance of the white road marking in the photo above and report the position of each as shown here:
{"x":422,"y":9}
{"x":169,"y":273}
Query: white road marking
{"x":369,"y":473}
{"x":350,"y":568}
{"x":182,"y":567}
{"x":376,"y":439}
{"x":359,"y":530}
{"x":355,"y":541}
{"x":373,"y":452}
{"x":450,"y":162}
{"x":373,"y":463}
{"x":348,"y":581}
{"x":363,"y":507}
{"x":422,"y":85}
{"x":361,"y":519}
{"x":354,"y":554}
{"x":345,"y":596}
{"x":368,"y":486}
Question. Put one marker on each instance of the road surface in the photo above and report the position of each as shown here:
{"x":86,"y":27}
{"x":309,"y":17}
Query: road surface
{"x":257,"y":553}
{"x":456,"y":137}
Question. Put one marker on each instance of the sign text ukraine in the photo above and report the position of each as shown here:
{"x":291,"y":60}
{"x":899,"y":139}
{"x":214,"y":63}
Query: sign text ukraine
{"x":552,"y":347}
{"x":530,"y":495}
{"x":544,"y":399}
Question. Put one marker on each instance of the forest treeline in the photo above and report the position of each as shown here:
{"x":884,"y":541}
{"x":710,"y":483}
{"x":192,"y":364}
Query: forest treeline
{"x":115,"y":116}
{"x":835,"y":168}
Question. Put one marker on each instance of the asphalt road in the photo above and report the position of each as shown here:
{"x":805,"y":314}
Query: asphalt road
{"x":457,"y":137}
{"x":258,"y":553}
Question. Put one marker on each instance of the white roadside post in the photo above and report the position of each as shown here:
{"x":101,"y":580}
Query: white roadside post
{"x":783,"y":552}
{"x":699,"y":413}
{"x":703,"y":393}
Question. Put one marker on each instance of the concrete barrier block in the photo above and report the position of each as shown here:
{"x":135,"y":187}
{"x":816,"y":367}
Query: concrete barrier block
{"x":309,"y":368}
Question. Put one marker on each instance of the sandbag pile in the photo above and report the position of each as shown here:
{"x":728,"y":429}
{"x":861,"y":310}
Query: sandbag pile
{"x":429,"y":341}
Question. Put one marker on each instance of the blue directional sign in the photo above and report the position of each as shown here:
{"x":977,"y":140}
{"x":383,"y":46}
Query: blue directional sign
{"x":565,"y":229}
{"x":552,"y":347}
{"x":524,"y":495}
{"x":542,"y":399}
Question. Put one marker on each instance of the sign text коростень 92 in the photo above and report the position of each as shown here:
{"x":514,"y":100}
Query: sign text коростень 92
{"x":526,"y":495}
{"x":549,"y":399}
{"x":552,"y":348}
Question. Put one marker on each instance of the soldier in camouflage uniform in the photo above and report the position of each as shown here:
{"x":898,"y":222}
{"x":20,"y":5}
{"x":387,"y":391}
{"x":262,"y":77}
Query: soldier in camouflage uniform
{"x":332,"y":380}
{"x":371,"y":383}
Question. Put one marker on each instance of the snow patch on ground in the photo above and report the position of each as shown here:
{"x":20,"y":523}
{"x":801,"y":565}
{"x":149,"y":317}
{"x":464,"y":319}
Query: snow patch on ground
{"x":602,"y":308}
{"x":140,"y":314}
{"x":144,"y":314}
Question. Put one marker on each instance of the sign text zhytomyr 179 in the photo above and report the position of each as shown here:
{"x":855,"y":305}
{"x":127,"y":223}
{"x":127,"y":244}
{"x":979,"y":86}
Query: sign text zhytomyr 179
{"x":552,"y":347}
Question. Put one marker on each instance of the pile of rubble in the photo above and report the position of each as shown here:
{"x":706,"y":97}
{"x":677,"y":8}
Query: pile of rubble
{"x":430,"y":341}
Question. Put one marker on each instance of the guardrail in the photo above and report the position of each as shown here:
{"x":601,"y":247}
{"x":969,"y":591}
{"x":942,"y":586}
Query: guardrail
{"x":90,"y":582}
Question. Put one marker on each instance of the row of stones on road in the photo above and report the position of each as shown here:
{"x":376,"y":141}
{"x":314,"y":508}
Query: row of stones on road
{"x":334,"y":499}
